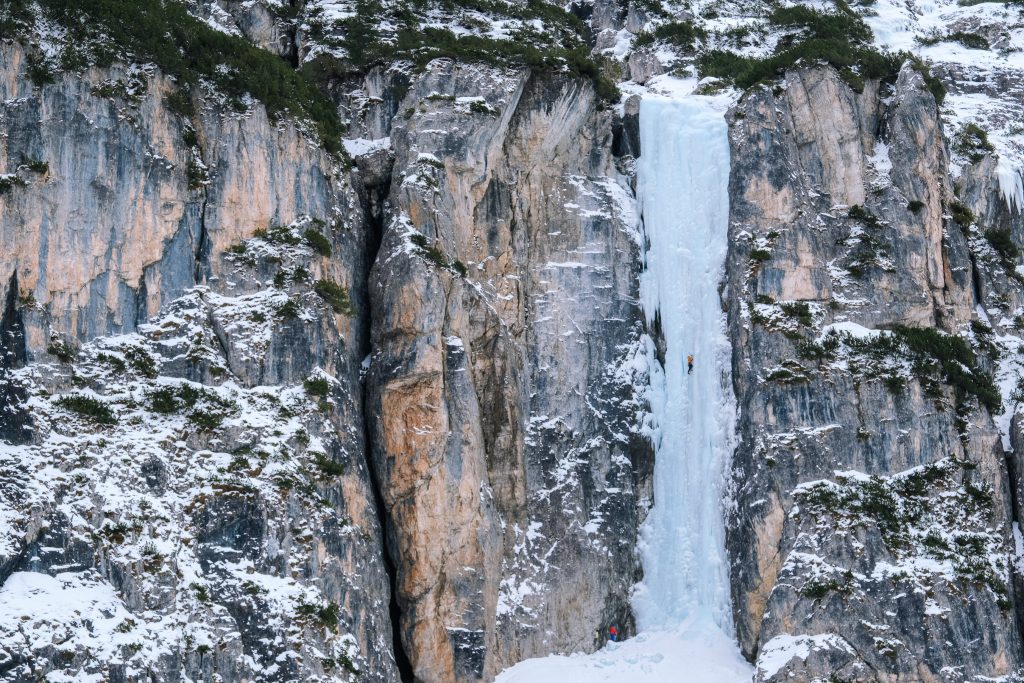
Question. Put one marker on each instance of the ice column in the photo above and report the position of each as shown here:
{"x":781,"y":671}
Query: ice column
{"x":683,"y":189}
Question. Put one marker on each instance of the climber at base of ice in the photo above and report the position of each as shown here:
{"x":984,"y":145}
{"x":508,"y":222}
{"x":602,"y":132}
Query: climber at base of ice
{"x":613,"y":634}
{"x":689,"y":364}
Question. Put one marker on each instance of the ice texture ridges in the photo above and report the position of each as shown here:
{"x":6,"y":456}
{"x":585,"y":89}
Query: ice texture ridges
{"x":684,"y":178}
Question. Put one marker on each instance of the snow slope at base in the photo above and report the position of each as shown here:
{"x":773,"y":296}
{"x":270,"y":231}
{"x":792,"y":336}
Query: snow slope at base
{"x":695,"y":652}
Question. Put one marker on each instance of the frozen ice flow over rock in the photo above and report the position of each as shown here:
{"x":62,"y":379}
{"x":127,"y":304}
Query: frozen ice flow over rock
{"x":683,"y":187}
{"x":683,"y":609}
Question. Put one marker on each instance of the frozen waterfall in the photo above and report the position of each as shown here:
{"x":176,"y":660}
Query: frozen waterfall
{"x":682,"y":606}
{"x":683,"y":181}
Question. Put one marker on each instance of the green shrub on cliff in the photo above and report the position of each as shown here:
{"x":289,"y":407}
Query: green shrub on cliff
{"x":182,"y":46}
{"x":839,"y":38}
{"x":682,"y":34}
{"x":559,"y":47}
{"x":952,"y":358}
{"x":88,"y":406}
{"x":335,"y":295}
{"x":1002,"y":242}
{"x":317,"y":242}
{"x":972,"y":141}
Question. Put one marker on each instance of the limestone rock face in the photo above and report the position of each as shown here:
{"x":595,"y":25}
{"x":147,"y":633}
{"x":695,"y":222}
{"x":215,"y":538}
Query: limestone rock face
{"x":257,"y":21}
{"x":287,"y":417}
{"x":870,"y":526}
{"x":123,"y":220}
{"x":501,"y":414}
{"x":236,"y":532}
{"x":644,"y":65}
{"x":162,"y":264}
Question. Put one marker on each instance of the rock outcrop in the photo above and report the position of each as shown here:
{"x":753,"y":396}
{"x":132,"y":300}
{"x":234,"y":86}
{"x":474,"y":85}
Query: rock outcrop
{"x":237,"y":533}
{"x":136,"y":202}
{"x":870,"y":528}
{"x":163,"y":265}
{"x":501,"y":416}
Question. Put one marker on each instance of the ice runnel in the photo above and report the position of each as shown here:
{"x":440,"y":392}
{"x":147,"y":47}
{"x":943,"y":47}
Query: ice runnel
{"x":683,"y":187}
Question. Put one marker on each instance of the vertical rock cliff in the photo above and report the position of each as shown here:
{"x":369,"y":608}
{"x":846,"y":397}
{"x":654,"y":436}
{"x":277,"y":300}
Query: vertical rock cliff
{"x":188,"y":397}
{"x":502,"y":419}
{"x":189,"y":297}
{"x":366,"y":396}
{"x":872,"y":510}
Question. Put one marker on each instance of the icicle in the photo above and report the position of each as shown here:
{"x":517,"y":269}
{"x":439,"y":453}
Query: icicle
{"x":1010,"y":185}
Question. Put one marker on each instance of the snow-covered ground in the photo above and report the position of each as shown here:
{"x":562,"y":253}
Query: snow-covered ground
{"x":695,"y":651}
{"x":683,"y":604}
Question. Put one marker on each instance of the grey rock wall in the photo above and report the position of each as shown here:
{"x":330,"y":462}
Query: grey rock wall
{"x":234,"y":527}
{"x":455,"y":442}
{"x":513,"y":325}
{"x":870,"y":527}
{"x":501,"y":416}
